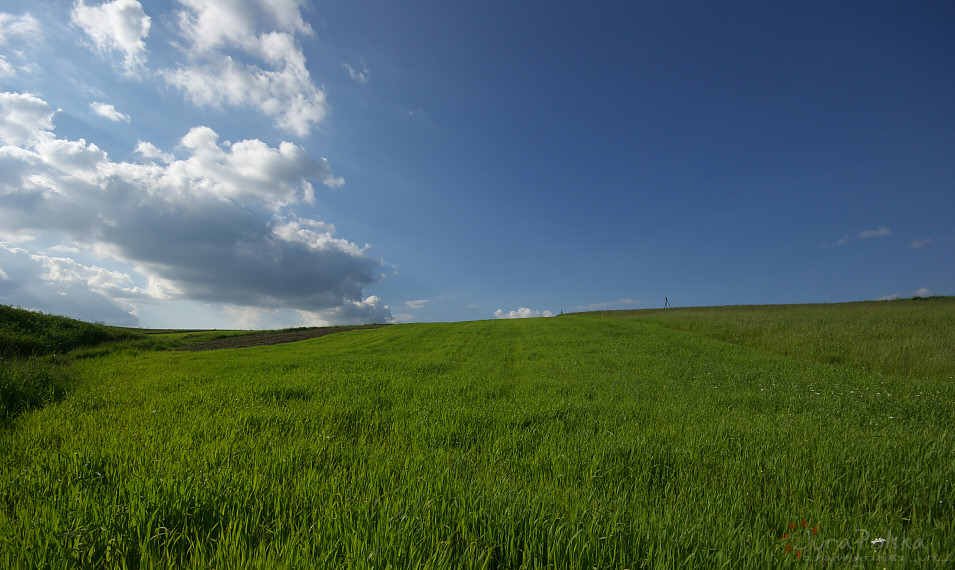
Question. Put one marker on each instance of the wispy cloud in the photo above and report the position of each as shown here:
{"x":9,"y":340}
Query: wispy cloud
{"x":359,"y":76}
{"x":878,"y":232}
{"x":108,"y":111}
{"x":416,"y":304}
{"x":24,"y":27}
{"x":865,"y":234}
{"x":920,"y":243}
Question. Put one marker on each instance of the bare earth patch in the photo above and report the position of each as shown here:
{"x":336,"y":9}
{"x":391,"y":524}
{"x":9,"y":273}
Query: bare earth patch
{"x":271,"y":337}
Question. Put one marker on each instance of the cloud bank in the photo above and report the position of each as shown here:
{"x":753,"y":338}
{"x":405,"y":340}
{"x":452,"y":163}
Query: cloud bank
{"x":522,"y":313}
{"x":213,"y":224}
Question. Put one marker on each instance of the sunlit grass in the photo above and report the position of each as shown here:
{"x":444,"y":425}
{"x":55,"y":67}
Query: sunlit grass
{"x":568,"y":442}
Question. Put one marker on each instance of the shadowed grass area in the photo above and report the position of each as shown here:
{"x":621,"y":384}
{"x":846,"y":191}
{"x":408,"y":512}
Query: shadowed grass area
{"x":579,"y":441}
{"x":32,"y":345}
{"x":28,"y":333}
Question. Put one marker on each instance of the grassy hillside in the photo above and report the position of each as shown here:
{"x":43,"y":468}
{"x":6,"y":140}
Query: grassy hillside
{"x":28,"y":383}
{"x":911,"y":336}
{"x":28,"y":333}
{"x":636,"y":440}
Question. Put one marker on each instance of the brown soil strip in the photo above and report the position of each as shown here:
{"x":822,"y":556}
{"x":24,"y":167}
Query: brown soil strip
{"x":268,"y":338}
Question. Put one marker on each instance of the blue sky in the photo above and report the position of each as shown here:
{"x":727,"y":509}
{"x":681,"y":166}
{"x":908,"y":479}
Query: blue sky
{"x":260,"y":164}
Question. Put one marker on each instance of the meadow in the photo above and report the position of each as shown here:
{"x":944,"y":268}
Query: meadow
{"x":734,"y":437}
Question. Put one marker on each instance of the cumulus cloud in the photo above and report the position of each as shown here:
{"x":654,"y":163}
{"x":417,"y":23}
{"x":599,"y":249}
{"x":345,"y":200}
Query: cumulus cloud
{"x":24,"y":118}
{"x":213,"y":24}
{"x":117,"y":26}
{"x":522,"y":313}
{"x":108,"y":111}
{"x":63,"y":286}
{"x":370,"y":310}
{"x":878,"y":232}
{"x":150,"y":151}
{"x":212,"y":225}
{"x":272,"y":75}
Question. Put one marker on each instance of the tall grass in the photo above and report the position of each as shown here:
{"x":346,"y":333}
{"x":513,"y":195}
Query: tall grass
{"x":28,"y":381}
{"x":29,"y":333}
{"x":27,"y":385}
{"x":912,"y":336}
{"x":567,"y":442}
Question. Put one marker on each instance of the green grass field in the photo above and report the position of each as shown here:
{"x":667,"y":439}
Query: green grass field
{"x":738,"y":437}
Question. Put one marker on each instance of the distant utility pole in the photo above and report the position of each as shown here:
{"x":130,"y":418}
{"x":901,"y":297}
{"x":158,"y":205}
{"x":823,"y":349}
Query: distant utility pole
{"x":666,"y":303}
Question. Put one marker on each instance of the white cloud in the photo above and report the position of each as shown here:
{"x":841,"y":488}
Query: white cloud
{"x":865,"y":234}
{"x":64,"y":270}
{"x":416,"y":304}
{"x":64,"y":287}
{"x":108,"y":111}
{"x":920,"y":243}
{"x":370,"y":310}
{"x":24,"y":118}
{"x":361,"y":76}
{"x":152,"y":152}
{"x":18,"y":26}
{"x":24,"y":27}
{"x":213,"y":24}
{"x":248,"y":169}
{"x":522,"y":313}
{"x":878,"y":232}
{"x":213,"y":225}
{"x":120,"y":25}
{"x":273,"y":77}
{"x":923,"y":292}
